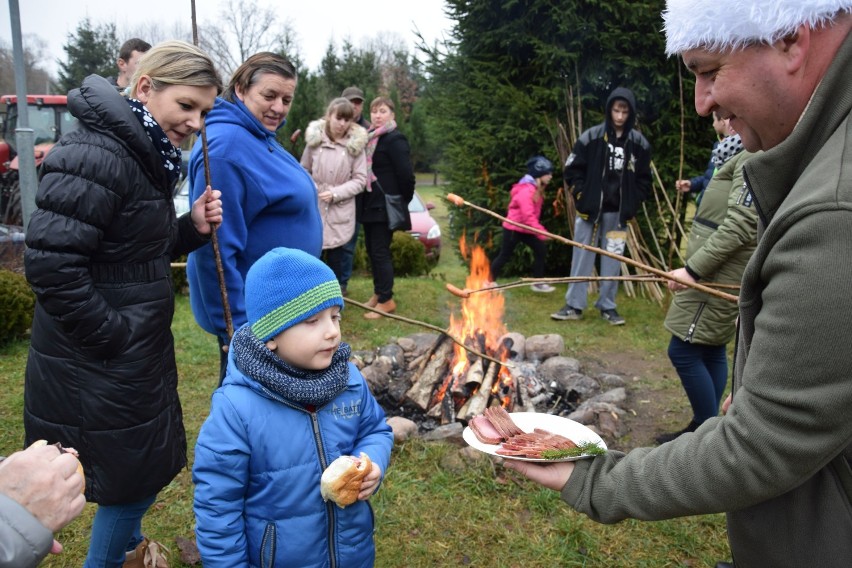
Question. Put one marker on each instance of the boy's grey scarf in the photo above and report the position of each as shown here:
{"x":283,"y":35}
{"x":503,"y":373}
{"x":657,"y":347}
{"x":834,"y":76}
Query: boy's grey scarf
{"x":296,"y":385}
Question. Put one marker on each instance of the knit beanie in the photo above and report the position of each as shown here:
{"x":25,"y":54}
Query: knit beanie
{"x":720,"y":25}
{"x":538,"y":166}
{"x":285,"y":287}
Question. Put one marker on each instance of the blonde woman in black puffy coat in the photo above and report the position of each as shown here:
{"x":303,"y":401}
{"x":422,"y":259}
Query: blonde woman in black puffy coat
{"x":101,"y":374}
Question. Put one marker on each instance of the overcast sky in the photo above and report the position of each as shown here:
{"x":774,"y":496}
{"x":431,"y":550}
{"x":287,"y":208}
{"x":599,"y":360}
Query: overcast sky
{"x":315,"y":21}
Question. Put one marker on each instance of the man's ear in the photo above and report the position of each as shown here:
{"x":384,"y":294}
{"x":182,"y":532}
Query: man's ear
{"x":795,"y":47}
{"x":144,"y":88}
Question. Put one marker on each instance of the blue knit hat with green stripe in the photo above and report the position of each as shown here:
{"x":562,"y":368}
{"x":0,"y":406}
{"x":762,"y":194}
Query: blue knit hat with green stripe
{"x":285,"y":287}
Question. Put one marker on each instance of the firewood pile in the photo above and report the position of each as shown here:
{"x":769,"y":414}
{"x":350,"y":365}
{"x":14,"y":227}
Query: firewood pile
{"x":416,"y":378}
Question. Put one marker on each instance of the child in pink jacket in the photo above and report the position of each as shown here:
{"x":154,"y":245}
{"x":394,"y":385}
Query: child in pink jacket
{"x":525,"y":207}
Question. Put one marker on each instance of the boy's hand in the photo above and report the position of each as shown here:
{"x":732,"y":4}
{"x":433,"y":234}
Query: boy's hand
{"x":370,"y":482}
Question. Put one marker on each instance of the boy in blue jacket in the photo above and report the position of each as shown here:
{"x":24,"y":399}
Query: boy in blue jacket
{"x":290,"y":404}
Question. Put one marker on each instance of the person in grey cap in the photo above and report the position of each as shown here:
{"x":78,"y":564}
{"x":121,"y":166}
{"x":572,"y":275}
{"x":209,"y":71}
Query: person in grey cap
{"x":347,"y":251}
{"x":356,"y":97}
{"x":779,"y":462}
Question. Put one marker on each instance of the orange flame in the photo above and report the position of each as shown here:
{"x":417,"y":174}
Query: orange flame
{"x":481,"y":322}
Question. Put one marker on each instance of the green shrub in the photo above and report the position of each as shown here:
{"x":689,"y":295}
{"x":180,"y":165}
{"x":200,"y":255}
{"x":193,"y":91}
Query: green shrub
{"x":16,"y":306}
{"x":409,"y":255}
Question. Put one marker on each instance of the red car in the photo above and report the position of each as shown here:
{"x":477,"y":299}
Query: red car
{"x":424,"y":228}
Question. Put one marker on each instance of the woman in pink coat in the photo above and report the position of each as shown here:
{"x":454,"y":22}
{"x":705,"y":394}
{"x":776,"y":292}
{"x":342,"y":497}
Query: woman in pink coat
{"x":525,"y":207}
{"x":335,"y":158}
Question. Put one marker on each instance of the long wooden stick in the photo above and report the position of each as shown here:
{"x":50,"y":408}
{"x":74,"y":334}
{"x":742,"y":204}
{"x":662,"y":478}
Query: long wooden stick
{"x":455,"y":339}
{"x":523,"y":282}
{"x":217,"y":256}
{"x":456,"y":200}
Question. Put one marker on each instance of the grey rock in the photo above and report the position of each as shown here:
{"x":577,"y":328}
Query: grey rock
{"x":366,"y":357}
{"x":451,"y":431}
{"x":378,"y":374}
{"x":403,"y":428}
{"x":612,"y":396}
{"x":397,"y":387}
{"x":610,"y":381}
{"x":395,"y":353}
{"x":517,"y":345}
{"x":558,"y":367}
{"x":542,"y":347}
{"x":421,"y":343}
{"x":583,"y":386}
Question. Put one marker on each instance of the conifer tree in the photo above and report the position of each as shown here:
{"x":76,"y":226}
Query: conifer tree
{"x":91,"y":49}
{"x":502,"y":82}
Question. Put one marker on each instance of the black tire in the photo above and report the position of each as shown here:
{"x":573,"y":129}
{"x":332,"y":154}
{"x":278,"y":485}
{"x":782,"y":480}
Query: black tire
{"x":14,"y":214}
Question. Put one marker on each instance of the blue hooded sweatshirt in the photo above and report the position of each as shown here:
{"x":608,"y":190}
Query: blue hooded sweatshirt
{"x":268,"y":200}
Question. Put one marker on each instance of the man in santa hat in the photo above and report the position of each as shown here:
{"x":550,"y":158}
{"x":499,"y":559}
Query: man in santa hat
{"x":779,"y":462}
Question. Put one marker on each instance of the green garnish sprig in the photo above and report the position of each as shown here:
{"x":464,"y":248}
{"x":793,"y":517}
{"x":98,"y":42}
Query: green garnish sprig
{"x":584,"y":449}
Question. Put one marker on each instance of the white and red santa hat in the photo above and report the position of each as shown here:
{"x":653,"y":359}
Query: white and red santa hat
{"x":721,"y":25}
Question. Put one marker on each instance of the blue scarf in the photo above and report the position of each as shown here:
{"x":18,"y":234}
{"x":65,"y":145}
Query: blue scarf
{"x":169,"y":154}
{"x":296,"y":385}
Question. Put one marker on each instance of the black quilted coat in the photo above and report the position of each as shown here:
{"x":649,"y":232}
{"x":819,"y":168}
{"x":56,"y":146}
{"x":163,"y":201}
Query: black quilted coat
{"x":394,"y":173}
{"x":101,"y":374}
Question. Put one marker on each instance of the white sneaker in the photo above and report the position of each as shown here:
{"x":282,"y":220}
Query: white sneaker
{"x":545,"y":288}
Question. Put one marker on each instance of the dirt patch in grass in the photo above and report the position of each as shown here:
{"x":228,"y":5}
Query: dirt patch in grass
{"x":656,"y":402}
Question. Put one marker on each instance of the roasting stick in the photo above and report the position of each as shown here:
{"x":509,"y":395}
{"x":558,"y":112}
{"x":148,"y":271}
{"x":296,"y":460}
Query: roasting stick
{"x":456,"y":200}
{"x":217,"y":256}
{"x":523,"y":282}
{"x":456,"y":340}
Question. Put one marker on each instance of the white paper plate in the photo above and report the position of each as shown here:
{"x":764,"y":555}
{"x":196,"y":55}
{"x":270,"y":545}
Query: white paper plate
{"x":529,"y":421}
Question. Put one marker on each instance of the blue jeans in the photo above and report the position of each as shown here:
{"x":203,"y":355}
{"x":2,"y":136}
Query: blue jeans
{"x":116,"y":530}
{"x":703,"y":371}
{"x":583,"y":262}
{"x":347,"y":258}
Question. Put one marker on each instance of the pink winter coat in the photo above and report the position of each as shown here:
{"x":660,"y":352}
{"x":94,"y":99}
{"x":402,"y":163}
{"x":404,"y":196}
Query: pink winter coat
{"x":340,"y":166}
{"x":525,"y":208}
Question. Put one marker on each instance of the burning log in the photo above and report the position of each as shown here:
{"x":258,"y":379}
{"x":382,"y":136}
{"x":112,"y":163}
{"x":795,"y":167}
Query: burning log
{"x":448,"y":404}
{"x":457,"y":386}
{"x":473,"y":377}
{"x":478,"y":401}
{"x":434,"y":371}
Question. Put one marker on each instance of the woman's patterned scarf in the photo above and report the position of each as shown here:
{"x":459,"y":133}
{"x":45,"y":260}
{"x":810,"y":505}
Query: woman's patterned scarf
{"x":170,"y":154}
{"x":301,"y":386}
{"x":374,"y":134}
{"x":727,"y":149}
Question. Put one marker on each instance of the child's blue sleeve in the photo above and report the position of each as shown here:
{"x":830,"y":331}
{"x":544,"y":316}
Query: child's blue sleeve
{"x":220,"y":475}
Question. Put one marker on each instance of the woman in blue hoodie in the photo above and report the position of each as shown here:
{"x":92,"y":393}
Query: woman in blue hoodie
{"x":270,"y":198}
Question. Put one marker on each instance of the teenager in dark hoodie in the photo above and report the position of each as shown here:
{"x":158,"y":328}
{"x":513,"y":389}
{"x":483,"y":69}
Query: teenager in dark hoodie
{"x":609,"y":171}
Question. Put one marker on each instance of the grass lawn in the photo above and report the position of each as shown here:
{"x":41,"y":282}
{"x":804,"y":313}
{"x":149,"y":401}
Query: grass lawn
{"x":438,"y":507}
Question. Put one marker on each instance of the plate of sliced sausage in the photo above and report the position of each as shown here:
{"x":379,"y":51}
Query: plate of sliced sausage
{"x":531,"y":436}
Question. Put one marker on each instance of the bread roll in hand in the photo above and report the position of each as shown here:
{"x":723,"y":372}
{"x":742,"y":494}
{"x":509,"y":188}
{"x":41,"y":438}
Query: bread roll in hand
{"x":72,"y":451}
{"x":341,"y":481}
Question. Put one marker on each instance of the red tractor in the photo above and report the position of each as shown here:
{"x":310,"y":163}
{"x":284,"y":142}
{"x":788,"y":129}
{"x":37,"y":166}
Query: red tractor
{"x":49,"y":118}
